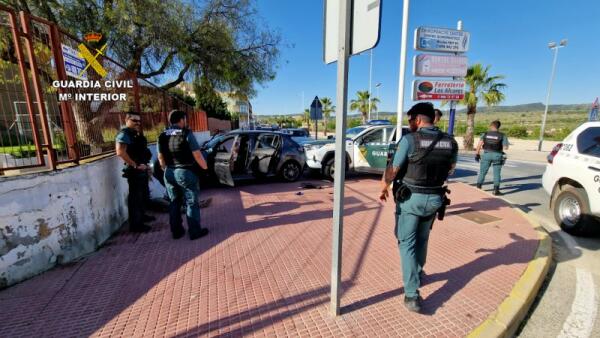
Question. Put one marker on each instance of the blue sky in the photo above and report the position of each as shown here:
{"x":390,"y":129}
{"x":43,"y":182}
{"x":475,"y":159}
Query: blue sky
{"x":509,"y":35}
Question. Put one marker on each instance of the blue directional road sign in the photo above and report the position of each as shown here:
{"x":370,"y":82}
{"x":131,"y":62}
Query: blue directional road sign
{"x":316,"y":109}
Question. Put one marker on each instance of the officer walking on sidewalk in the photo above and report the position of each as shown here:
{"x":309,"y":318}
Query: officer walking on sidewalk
{"x":132,"y":147}
{"x":428,"y":155}
{"x":178,"y":153}
{"x":493,"y":143}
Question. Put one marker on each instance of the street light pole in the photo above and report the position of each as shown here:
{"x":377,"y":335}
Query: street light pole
{"x":403,"y":46}
{"x":377,"y":86}
{"x":555,"y":47}
{"x":370,"y":77}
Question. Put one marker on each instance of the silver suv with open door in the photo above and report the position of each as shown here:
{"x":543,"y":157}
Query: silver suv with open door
{"x":251,"y":154}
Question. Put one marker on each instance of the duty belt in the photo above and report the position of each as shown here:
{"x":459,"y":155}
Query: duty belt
{"x":426,"y":190}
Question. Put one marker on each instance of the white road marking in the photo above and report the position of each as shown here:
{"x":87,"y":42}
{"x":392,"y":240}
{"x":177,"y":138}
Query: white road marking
{"x":580,"y":321}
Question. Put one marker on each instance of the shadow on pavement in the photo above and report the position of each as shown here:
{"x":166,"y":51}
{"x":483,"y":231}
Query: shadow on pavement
{"x":295,"y":304}
{"x":457,"y":278}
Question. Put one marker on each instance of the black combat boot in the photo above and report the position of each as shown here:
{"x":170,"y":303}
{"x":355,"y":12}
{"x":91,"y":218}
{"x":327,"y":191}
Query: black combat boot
{"x":478,"y":186}
{"x":413,"y":304}
{"x":497,"y":191}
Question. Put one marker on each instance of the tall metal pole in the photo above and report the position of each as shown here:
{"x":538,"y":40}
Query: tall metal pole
{"x":548,"y":98}
{"x":377,"y":86}
{"x":370,"y":77}
{"x":403,"y":44}
{"x":340,"y":153}
{"x":452,"y":117}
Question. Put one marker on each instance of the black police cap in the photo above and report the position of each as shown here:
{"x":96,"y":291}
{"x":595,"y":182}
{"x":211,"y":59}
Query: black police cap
{"x":422,"y":108}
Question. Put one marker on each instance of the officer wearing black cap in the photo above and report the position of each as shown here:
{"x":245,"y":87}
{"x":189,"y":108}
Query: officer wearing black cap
{"x":132,"y":147}
{"x":428,"y":156}
{"x":178,"y":154}
{"x":493,"y":143}
{"x":438,"y":116}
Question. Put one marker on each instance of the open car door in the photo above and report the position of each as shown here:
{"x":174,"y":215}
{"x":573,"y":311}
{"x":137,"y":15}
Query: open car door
{"x":265,"y":154}
{"x":225,"y":159}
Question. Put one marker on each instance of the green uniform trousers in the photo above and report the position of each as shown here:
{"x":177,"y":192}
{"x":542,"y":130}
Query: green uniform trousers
{"x":415,"y":217}
{"x":494,"y":159}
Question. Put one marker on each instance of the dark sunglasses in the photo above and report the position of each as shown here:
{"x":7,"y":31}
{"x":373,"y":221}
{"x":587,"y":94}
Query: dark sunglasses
{"x":136,"y":120}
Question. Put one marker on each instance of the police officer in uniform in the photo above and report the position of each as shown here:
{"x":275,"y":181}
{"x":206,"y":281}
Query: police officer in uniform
{"x":132,"y":147}
{"x":178,"y":154}
{"x":428,"y":156}
{"x":438,"y":116}
{"x":493,"y":143}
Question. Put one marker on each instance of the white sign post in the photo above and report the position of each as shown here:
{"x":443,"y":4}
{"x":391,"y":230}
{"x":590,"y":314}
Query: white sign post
{"x":440,"y":65}
{"x":441,"y":40}
{"x":364,"y":27}
{"x":339,"y":20}
{"x":438,"y":90}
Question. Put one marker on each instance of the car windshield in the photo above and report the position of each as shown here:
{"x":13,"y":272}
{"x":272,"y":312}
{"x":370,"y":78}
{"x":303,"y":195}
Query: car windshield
{"x":352,"y":132}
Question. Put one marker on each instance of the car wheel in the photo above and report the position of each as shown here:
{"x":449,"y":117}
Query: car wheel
{"x":291,"y":171}
{"x":329,"y":168}
{"x":571,"y":210}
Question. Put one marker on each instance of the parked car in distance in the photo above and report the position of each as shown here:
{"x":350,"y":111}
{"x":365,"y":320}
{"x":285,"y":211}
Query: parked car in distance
{"x":572,"y":179}
{"x":296,"y":132}
{"x":379,"y":122}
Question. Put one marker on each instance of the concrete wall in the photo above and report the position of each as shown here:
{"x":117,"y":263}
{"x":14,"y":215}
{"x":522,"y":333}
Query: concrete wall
{"x":56,"y":217}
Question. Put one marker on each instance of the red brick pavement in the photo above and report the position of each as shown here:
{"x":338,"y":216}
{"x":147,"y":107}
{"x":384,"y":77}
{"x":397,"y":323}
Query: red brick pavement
{"x":264,"y":271}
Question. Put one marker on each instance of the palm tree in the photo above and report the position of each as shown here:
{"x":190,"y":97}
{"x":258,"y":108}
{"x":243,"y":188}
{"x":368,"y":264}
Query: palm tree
{"x":362,"y":104}
{"x":481,"y":86}
{"x":328,"y":108}
{"x":306,"y":115}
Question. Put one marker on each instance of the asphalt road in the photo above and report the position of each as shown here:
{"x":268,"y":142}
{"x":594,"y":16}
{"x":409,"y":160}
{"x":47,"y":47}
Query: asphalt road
{"x":567,"y":305}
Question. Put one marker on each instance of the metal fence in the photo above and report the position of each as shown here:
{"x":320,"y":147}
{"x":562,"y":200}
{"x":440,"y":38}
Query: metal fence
{"x":37,"y":130}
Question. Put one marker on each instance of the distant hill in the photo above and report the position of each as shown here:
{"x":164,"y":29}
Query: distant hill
{"x":520,"y":108}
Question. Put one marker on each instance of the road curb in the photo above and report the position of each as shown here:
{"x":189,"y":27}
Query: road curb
{"x":505,"y":321}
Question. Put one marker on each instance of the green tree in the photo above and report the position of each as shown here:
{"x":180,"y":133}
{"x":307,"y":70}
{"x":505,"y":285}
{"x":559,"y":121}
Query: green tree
{"x":306,"y":116}
{"x":155,"y":38}
{"x":328,"y":108}
{"x":209,"y":100}
{"x":361,"y":104}
{"x":165,"y":42}
{"x":180,"y":94}
{"x":480,"y":86}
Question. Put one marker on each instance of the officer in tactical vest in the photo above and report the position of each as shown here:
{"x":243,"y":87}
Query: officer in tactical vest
{"x":493,"y":143}
{"x":132,"y":147}
{"x":178,"y":154}
{"x":428,"y":156}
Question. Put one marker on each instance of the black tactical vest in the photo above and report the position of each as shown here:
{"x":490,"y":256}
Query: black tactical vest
{"x":138,"y":149}
{"x":492,"y":141}
{"x":430,"y":169}
{"x":177,"y":152}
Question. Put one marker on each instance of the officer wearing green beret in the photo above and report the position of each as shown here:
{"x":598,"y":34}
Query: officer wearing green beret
{"x":428,"y":156}
{"x":493,"y":143}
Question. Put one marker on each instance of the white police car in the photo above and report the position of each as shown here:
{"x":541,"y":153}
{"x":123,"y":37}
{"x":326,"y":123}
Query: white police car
{"x":366,"y":150}
{"x":572,"y":178}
